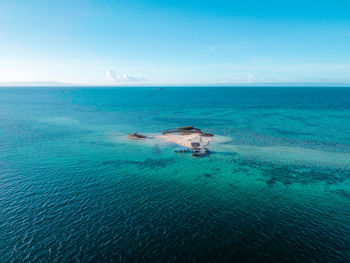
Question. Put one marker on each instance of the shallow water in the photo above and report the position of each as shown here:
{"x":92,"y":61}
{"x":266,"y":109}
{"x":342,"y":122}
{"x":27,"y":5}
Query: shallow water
{"x":275,"y":187}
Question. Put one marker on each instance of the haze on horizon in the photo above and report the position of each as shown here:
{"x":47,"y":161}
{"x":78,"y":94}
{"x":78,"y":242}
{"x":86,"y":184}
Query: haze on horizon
{"x":174,"y":42}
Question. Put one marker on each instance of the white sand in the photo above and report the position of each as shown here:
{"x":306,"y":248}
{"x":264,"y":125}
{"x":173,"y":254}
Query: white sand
{"x":185,"y":140}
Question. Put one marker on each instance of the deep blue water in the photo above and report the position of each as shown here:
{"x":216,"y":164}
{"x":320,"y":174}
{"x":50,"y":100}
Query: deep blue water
{"x":275,"y":188}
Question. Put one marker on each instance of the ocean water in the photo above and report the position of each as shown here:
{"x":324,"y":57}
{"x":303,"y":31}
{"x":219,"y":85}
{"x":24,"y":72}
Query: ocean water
{"x":274,"y":188}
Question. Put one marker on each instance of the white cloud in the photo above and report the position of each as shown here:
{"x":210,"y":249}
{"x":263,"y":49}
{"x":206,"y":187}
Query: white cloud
{"x":122,"y":78}
{"x":251,"y":78}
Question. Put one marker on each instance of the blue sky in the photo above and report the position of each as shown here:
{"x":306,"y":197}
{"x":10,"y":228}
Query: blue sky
{"x":174,"y":42}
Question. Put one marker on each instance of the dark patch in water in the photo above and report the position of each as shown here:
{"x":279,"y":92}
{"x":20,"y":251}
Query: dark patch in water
{"x":293,"y":174}
{"x":230,"y":154}
{"x":245,"y":170}
{"x":342,"y":192}
{"x":201,"y":155}
{"x":234,"y":186}
{"x":271,"y":181}
{"x":147,"y":163}
{"x":154,"y":163}
{"x":103,"y":143}
{"x":296,"y":118}
{"x":156,"y":149}
{"x":291,"y":133}
{"x":121,"y":162}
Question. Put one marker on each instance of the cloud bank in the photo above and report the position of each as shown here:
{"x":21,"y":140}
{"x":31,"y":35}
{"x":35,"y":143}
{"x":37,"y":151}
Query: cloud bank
{"x":111,"y":75}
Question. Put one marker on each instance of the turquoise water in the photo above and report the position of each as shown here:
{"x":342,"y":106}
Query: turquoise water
{"x":73,"y":189}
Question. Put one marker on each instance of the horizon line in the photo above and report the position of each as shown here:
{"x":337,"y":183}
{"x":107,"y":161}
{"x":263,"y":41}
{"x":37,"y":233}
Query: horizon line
{"x":238,"y":84}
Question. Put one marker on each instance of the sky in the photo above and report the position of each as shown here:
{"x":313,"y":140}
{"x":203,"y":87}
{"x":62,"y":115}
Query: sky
{"x":107,"y":42}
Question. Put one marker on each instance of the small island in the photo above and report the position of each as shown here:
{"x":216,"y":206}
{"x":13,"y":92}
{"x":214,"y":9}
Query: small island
{"x":189,"y":137}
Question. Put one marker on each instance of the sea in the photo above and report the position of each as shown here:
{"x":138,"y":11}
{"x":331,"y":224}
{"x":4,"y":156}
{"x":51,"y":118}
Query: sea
{"x":275,"y":187}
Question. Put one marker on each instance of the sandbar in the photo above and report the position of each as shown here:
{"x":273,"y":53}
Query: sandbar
{"x":186,"y":139}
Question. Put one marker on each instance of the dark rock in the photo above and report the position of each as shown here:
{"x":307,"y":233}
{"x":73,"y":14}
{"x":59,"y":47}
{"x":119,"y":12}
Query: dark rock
{"x":207,"y":134}
{"x":201,"y":153}
{"x":189,"y":130}
{"x":136,"y":136}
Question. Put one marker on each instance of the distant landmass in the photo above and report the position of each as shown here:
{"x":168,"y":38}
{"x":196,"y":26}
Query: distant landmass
{"x":256,"y":84}
{"x":288,"y":84}
{"x":35,"y":83}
